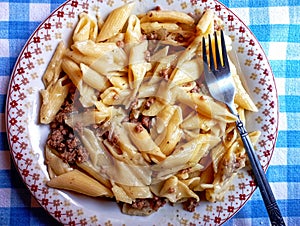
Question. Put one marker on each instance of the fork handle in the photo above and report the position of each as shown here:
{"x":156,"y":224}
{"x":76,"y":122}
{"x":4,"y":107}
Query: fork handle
{"x":260,"y":176}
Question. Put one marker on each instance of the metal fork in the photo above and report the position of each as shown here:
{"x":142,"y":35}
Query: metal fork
{"x":220,"y":85}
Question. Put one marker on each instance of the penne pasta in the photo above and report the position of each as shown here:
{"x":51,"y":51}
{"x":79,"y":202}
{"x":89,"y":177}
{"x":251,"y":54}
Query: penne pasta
{"x":206,"y":106}
{"x":205,"y":22}
{"x":140,"y":192}
{"x":188,"y":72}
{"x":133,"y":34}
{"x":167,"y":16}
{"x":149,"y":27}
{"x":87,"y":93}
{"x":56,"y":166}
{"x":115,"y":22}
{"x":95,"y":50}
{"x":137,"y":65}
{"x":142,"y":140}
{"x":94,"y":79}
{"x":241,"y":97}
{"x":174,"y":190}
{"x":79,"y":182}
{"x":172,"y":134}
{"x":53,"y":98}
{"x":86,"y":28}
{"x":53,"y":70}
{"x":93,"y":171}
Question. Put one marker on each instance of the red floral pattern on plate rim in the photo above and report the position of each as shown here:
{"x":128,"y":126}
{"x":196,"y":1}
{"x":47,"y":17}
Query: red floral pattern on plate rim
{"x":26,"y":76}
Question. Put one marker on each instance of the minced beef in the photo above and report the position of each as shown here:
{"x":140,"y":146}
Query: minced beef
{"x":62,"y":138}
{"x":154,"y":203}
{"x":190,"y":204}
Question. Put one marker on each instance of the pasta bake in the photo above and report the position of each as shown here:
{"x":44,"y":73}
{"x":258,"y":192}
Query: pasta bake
{"x":130,"y":117}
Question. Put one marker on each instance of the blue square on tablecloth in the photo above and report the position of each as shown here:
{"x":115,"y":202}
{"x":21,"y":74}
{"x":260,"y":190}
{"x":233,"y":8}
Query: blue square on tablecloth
{"x":294,"y":15}
{"x":265,"y":46}
{"x":288,"y":139}
{"x":293,"y":51}
{"x":277,"y":173}
{"x":3,"y":139}
{"x":226,"y":3}
{"x":17,"y":181}
{"x":255,"y":3}
{"x":4,"y":30}
{"x":279,"y":33}
{"x":293,"y":191}
{"x":15,"y":47}
{"x":235,"y":4}
{"x":293,"y":208}
{"x":292,"y":87}
{"x":293,"y":173}
{"x":5,"y":181}
{"x":293,"y":158}
{"x":18,"y":11}
{"x":293,"y":32}
{"x":2,"y":103}
{"x":291,"y":67}
{"x":39,"y":215}
{"x":278,"y":68}
{"x":5,"y":64}
{"x":55,"y":4}
{"x":4,"y":216}
{"x":259,"y":16}
{"x":20,"y":216}
{"x":257,"y":209}
{"x":20,"y":197}
{"x":261,"y":36}
{"x":21,"y":30}
{"x":256,"y":195}
{"x":293,"y":2}
{"x":292,"y":118}
{"x":291,"y":104}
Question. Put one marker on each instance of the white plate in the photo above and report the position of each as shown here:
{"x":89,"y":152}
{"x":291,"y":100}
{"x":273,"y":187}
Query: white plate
{"x":27,"y":137}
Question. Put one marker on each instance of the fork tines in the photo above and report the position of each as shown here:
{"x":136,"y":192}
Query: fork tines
{"x":219,"y":65}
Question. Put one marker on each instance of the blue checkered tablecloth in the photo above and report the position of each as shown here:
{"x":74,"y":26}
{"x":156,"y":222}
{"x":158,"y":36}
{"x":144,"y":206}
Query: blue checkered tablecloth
{"x":275,"y":23}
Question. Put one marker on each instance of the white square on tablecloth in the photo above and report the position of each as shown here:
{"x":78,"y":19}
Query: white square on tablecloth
{"x":38,"y":12}
{"x":277,"y":51}
{"x":280,"y":157}
{"x":243,"y":14}
{"x":241,"y":221}
{"x":4,"y":11}
{"x":5,"y":194}
{"x":280,"y":85}
{"x":4,"y":80}
{"x":282,"y":124}
{"x":279,"y":15}
{"x":4,"y":44}
{"x":280,"y":190}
